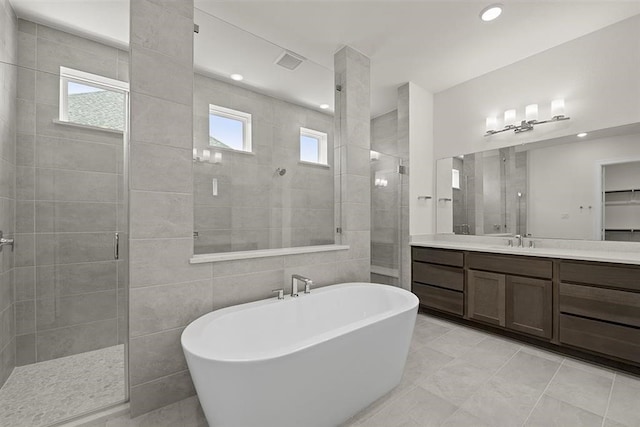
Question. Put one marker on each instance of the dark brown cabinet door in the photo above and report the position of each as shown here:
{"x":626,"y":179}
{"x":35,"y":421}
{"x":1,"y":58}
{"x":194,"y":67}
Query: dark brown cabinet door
{"x":485,"y":297}
{"x":528,"y":305}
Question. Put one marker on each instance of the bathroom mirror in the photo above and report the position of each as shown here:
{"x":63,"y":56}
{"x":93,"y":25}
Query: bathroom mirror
{"x":263,"y":153}
{"x":568,"y":188}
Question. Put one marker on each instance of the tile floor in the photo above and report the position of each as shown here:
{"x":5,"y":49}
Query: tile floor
{"x":43,"y":393}
{"x":460,"y":377}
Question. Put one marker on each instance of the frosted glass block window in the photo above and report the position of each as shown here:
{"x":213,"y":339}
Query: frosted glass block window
{"x":313,"y":146}
{"x":92,"y":100}
{"x":229,"y":128}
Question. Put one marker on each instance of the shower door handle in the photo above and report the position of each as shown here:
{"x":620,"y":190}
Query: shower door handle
{"x":116,"y":246}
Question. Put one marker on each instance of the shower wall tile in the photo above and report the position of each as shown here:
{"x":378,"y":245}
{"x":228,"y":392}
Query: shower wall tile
{"x":25,"y":217}
{"x":158,"y":308}
{"x":160,"y":392}
{"x":76,"y":186}
{"x":172,"y":213}
{"x":152,"y":113}
{"x":25,"y":349}
{"x":72,"y":310}
{"x":156,"y":355}
{"x":72,"y":279}
{"x":161,"y":261}
{"x":7,"y":327}
{"x":25,"y":183}
{"x":25,"y":317}
{"x":160,"y":168}
{"x":238,"y":289}
{"x":75,"y":155}
{"x":162,"y":42}
{"x":61,"y":342}
{"x":174,"y":83}
{"x":7,"y":360}
{"x":26,"y":84}
{"x":51,"y":55}
{"x":47,"y":88}
{"x":68,"y":248}
{"x":24,"y":252}
{"x":68,"y":217}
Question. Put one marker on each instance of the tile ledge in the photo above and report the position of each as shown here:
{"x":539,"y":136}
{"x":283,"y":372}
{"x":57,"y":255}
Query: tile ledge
{"x":87,"y":127}
{"x":229,"y":256}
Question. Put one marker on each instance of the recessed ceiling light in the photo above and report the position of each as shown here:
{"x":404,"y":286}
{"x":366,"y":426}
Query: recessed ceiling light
{"x":581,"y":134}
{"x":237,"y":77}
{"x":491,"y":12}
{"x":324,"y":106}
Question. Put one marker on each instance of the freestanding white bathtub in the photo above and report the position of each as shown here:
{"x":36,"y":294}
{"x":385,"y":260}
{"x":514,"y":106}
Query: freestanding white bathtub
{"x":314,"y":360}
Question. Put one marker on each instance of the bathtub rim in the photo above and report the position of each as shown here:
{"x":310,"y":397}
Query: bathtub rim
{"x":195,"y":326}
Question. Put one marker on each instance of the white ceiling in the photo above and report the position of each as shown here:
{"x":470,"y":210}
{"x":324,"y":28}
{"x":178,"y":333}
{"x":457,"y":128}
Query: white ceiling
{"x":435,"y":44}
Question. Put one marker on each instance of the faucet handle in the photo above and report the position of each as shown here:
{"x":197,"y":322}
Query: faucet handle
{"x":280,"y":293}
{"x":307,"y":286}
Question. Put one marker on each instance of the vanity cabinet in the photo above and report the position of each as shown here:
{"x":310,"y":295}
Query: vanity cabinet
{"x":599,"y":308}
{"x":579,"y":307}
{"x":516,"y":293}
{"x":438,"y":279}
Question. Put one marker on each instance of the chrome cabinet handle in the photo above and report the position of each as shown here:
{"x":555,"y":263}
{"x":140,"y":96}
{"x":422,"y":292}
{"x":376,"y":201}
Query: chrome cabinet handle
{"x":116,"y":246}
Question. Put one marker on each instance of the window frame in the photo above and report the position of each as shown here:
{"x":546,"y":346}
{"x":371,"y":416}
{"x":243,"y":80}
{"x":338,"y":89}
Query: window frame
{"x":322,"y":137}
{"x":88,"y":79}
{"x":241,"y":116}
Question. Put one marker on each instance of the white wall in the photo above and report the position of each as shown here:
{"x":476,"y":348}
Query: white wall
{"x":562,"y":178}
{"x":422,"y":170}
{"x":598,"y":75}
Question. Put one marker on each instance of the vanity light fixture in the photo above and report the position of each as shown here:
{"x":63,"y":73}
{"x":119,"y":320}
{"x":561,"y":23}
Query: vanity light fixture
{"x":531,"y":119}
{"x":237,"y":77}
{"x":206,"y":157}
{"x":491,"y":12}
{"x":582,"y":134}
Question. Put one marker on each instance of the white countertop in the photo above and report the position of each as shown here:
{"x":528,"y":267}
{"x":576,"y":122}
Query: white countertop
{"x":499,"y":246}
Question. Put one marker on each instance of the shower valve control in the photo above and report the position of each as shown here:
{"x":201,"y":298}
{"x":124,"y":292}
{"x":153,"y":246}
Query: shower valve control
{"x":5,"y":242}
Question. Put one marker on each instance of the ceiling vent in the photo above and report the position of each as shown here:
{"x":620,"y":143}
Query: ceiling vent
{"x":290,"y":60}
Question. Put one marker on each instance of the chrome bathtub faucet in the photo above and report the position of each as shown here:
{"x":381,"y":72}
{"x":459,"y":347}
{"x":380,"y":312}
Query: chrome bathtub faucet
{"x":294,"y":284}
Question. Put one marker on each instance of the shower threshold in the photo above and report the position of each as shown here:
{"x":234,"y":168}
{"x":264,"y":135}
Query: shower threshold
{"x":48,"y":392}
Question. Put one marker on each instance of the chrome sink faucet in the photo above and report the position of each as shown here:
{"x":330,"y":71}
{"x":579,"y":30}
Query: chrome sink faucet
{"x":518,"y":238}
{"x":294,"y":284}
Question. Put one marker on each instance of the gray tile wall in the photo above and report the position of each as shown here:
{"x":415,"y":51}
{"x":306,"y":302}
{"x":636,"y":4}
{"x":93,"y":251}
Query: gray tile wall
{"x":167,"y":292}
{"x":69,"y":191}
{"x":9,"y":77}
{"x":255,"y":207}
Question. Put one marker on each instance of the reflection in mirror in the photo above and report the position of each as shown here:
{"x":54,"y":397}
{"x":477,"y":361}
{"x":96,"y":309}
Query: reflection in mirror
{"x":569,"y":188}
{"x":263,"y":147}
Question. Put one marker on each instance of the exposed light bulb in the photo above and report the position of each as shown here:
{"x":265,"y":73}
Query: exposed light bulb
{"x":324,"y":106}
{"x":491,"y":124}
{"x":582,"y":134}
{"x":237,"y":77}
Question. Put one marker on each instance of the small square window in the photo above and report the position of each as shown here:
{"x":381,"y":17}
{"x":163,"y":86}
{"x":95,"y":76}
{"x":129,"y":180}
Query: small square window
{"x":313,"y":146}
{"x":229,"y":128}
{"x":92,"y":100}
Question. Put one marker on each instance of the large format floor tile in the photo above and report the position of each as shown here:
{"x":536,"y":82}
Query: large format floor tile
{"x":460,"y":377}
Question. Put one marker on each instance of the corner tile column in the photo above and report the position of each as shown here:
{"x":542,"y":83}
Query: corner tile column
{"x":166,"y":292}
{"x":353,"y":127}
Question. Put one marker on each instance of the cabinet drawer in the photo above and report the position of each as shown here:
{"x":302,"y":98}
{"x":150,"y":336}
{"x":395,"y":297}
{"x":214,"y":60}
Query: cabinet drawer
{"x":438,"y":256}
{"x":439,"y":299}
{"x":623,"y":277}
{"x":438,"y":275}
{"x":614,"y":340}
{"x":606,"y":304}
{"x":516,"y":265}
